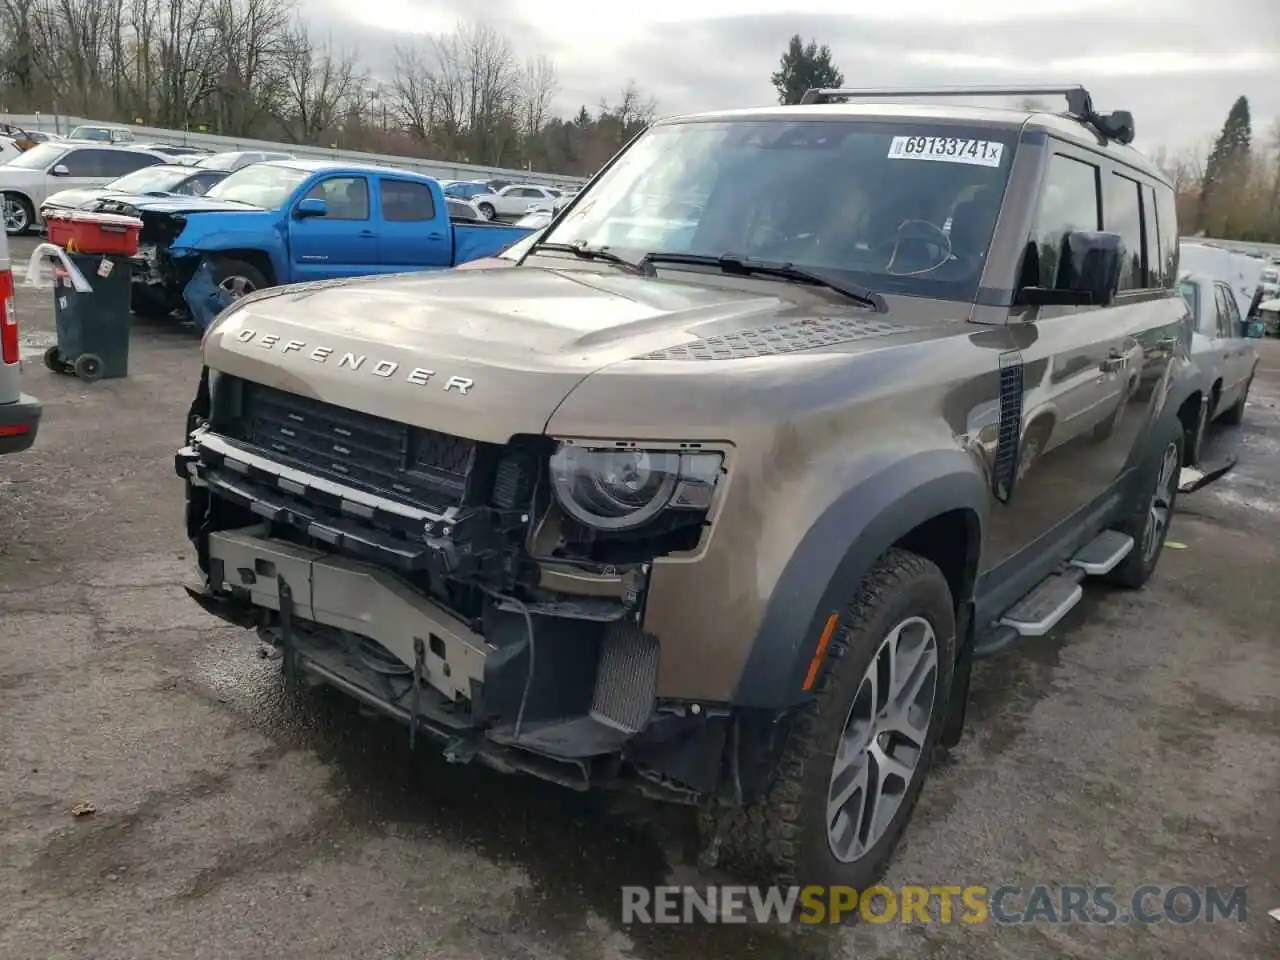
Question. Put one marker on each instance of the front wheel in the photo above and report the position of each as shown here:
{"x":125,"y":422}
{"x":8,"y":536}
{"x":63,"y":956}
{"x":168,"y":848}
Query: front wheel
{"x":1235,"y":416}
{"x":18,"y":215}
{"x":487,"y":211}
{"x":857,"y":757}
{"x":237,"y":277}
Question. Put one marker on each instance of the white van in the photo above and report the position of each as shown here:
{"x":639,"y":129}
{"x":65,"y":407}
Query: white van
{"x":19,"y":413}
{"x":1243,"y":273}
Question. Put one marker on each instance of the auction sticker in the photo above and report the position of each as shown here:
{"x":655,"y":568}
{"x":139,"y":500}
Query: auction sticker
{"x":980,"y":153}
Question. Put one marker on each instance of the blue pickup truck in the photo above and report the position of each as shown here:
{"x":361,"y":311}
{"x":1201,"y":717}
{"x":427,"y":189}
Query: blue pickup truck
{"x":292,"y":221}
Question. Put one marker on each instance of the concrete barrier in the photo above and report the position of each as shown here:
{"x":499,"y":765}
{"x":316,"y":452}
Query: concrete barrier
{"x":440,"y":169}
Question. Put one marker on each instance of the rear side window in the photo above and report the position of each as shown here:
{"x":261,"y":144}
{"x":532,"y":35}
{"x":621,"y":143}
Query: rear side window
{"x":1124,"y":216}
{"x":120,"y":162}
{"x":1070,"y":202}
{"x":1153,"y":234}
{"x":404,"y":201}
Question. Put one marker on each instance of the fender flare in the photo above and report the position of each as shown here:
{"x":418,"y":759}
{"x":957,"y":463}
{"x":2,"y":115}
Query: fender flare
{"x":837,"y":553}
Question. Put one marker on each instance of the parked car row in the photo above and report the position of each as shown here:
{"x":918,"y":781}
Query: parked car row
{"x":498,"y":200}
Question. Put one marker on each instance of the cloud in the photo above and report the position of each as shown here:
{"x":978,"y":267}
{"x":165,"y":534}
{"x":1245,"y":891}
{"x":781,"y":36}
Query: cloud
{"x":1176,"y":64}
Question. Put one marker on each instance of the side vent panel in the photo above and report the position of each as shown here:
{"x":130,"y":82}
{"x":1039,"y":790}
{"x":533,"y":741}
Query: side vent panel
{"x":1005,"y":470}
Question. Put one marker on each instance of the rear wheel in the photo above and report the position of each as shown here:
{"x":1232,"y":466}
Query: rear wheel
{"x":1149,"y":522}
{"x":89,"y":366}
{"x":857,"y":757}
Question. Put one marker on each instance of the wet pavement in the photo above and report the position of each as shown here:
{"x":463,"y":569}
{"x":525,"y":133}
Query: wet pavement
{"x":1138,"y":744}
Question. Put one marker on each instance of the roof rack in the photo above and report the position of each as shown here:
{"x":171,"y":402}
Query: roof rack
{"x":1117,"y":126}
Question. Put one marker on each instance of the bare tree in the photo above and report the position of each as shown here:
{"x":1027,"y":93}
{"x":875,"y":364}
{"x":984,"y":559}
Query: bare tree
{"x":538,"y":89}
{"x":319,"y":83}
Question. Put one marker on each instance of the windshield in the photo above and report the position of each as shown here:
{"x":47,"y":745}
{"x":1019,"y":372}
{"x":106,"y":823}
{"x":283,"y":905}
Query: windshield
{"x":1191,"y":294}
{"x":220,"y":161}
{"x":150,"y":179}
{"x":900,"y":207}
{"x":261,"y":185}
{"x":38,"y":157}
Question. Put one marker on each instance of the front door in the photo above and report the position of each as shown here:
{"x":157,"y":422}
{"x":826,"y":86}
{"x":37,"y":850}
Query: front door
{"x":342,"y":243}
{"x":1090,"y":375}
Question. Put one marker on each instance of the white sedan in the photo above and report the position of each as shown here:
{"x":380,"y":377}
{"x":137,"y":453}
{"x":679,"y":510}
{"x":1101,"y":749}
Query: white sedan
{"x":514,"y":201}
{"x":1223,"y":355}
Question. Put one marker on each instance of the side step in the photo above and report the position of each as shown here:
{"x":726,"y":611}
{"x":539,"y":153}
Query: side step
{"x":1052,"y":599}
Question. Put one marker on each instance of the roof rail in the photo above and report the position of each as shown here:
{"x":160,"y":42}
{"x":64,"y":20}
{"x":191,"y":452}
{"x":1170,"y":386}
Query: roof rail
{"x":1116,"y":126}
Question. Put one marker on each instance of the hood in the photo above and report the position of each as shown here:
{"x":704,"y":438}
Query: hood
{"x":483,"y":353}
{"x":76,"y":197}
{"x":175,"y":203}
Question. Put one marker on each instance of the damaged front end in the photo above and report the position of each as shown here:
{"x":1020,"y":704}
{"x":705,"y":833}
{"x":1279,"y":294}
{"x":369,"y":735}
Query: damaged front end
{"x":159,"y":278}
{"x":441,"y":581}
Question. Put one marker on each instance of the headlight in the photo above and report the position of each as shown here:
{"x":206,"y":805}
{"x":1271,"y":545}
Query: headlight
{"x":623,"y":488}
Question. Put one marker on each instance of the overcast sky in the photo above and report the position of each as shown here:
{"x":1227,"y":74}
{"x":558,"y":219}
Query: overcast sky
{"x":1177,"y":64}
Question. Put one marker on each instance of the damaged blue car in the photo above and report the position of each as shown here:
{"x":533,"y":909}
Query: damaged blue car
{"x":294,"y":221}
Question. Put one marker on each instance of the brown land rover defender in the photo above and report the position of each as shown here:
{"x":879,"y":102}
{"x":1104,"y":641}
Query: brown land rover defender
{"x":714,"y":488}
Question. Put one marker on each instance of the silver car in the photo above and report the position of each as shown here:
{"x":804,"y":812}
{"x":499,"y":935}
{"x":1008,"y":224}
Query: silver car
{"x":19,"y":413}
{"x":1225,"y":358}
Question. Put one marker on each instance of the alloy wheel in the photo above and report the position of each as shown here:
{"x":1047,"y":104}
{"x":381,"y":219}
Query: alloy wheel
{"x":237,"y":286}
{"x":1161,"y":507}
{"x":883,"y":739}
{"x":15,"y":216}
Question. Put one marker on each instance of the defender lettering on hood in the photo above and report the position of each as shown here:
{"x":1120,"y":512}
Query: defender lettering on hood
{"x":418,"y":376}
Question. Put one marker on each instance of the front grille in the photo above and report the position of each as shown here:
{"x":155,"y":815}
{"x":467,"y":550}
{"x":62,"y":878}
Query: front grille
{"x":422,"y":467}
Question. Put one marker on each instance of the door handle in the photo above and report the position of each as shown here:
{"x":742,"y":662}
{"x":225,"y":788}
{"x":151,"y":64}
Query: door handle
{"x":367,"y":233}
{"x":435,"y":236}
{"x":1116,"y":360}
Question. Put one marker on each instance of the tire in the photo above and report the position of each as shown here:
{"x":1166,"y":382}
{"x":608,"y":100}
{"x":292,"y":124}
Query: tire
{"x":88,"y":366}
{"x":1193,"y":442}
{"x":238,"y":277}
{"x":784,"y":836}
{"x":486,"y":210}
{"x":1144,"y":524}
{"x":1235,"y":416}
{"x":18,"y":214}
{"x":53,"y":360}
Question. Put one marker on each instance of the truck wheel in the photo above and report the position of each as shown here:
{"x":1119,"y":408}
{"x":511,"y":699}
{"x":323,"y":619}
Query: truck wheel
{"x":18,"y":215}
{"x":237,"y":277}
{"x":1148,"y":524}
{"x":857,"y":757}
{"x":1235,"y":416}
{"x":486,"y":210}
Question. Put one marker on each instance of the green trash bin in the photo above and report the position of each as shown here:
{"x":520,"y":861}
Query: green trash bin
{"x":93,"y":328}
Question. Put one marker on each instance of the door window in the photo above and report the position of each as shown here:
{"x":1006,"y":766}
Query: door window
{"x":120,"y":162}
{"x":1070,"y":202}
{"x":1230,"y":319}
{"x":1220,"y":295}
{"x":1124,"y":216}
{"x":1153,"y":234}
{"x":347,"y":198}
{"x":88,"y":163}
{"x":404,"y":202}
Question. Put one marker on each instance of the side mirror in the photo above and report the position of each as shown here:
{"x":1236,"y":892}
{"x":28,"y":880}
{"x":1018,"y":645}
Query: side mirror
{"x":1088,"y":272}
{"x":310,"y":207}
{"x":60,"y":170}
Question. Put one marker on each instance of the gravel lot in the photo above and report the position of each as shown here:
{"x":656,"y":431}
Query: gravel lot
{"x":1139,"y":744}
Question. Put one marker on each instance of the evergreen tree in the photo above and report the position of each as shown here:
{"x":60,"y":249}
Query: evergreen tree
{"x":1229,"y":156}
{"x":802,"y":67}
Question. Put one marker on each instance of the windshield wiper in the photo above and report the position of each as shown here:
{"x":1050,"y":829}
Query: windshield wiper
{"x":746,"y":266}
{"x":586,"y":252}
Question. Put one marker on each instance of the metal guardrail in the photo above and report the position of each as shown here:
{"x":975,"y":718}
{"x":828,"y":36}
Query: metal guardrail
{"x":440,"y":169}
